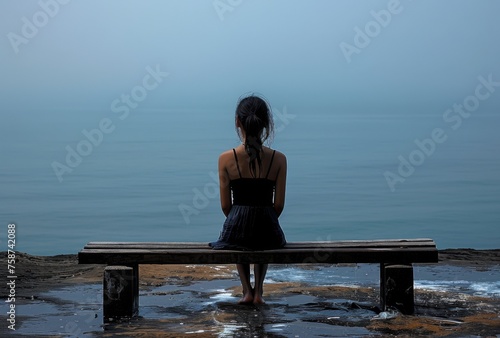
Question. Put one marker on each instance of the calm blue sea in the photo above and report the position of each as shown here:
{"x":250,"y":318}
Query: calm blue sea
{"x":151,"y":177}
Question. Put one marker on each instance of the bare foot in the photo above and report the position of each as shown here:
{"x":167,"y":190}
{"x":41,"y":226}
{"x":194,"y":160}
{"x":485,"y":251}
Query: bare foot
{"x":247,"y":299}
{"x":258,"y":300}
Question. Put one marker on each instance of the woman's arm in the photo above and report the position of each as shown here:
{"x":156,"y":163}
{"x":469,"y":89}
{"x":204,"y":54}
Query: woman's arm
{"x":279,"y":194}
{"x":225,"y":190}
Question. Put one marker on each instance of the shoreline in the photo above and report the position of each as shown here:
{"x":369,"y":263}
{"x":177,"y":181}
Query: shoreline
{"x":212,"y":290}
{"x":44,"y":272}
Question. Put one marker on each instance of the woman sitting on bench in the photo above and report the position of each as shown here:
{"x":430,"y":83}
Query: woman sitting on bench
{"x":252,"y":181}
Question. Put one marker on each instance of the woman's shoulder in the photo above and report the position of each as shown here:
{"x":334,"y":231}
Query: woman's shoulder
{"x":226,"y":152}
{"x":229,"y":154}
{"x":276,"y":152}
{"x":278,"y":155}
{"x":239,"y":149}
{"x":224,"y":156}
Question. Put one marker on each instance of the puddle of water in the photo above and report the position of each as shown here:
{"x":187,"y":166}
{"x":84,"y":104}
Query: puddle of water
{"x":208,"y":307}
{"x":67,"y":312}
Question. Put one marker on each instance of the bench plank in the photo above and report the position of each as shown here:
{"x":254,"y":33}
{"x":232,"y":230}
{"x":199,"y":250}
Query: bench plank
{"x":290,"y":245}
{"x":299,"y":242}
{"x":298,"y":252}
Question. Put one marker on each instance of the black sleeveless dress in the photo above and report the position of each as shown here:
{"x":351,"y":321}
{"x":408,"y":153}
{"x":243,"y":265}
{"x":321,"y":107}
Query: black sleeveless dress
{"x":252,"y":223}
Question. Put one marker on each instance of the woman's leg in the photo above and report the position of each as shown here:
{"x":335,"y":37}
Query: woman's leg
{"x":260,"y":273}
{"x":244,"y":272}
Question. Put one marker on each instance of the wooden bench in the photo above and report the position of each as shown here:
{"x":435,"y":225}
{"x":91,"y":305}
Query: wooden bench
{"x":121,"y":277}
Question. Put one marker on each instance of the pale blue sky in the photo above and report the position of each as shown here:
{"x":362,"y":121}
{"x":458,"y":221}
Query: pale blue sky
{"x":90,"y":52}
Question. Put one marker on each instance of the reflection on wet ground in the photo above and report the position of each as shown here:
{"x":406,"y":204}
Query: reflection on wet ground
{"x":321,"y":302}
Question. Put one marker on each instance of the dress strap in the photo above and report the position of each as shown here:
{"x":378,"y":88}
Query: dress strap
{"x":270,"y":164}
{"x":236,"y":159}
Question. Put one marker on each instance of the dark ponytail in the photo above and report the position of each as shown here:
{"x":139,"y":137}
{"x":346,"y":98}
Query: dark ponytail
{"x":256,"y":119}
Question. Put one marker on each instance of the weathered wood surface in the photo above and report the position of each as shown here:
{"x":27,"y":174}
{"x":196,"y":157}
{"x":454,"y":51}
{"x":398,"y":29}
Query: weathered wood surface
{"x":119,"y":295}
{"x":424,"y":242}
{"x":396,"y":287}
{"x":373,"y":251}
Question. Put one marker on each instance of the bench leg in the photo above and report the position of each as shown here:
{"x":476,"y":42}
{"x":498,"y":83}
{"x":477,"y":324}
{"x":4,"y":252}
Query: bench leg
{"x":396,"y":287}
{"x":135,"y":306}
{"x":120,"y":292}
